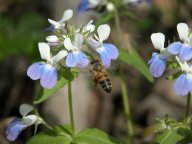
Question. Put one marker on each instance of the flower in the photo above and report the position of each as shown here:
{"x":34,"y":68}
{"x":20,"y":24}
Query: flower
{"x":183,"y":50}
{"x":46,"y":71}
{"x":183,"y":84}
{"x":85,"y":5}
{"x":158,"y":60}
{"x":106,"y":51}
{"x":60,"y":24}
{"x":19,"y":124}
{"x":75,"y":56}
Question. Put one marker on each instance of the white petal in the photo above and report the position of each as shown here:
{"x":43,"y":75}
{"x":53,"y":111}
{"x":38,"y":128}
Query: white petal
{"x":67,"y":15}
{"x":44,"y":50}
{"x":54,"y":23}
{"x":78,"y":41}
{"x":68,"y":45}
{"x":52,"y":38}
{"x":93,"y":43}
{"x":183,"y":31}
{"x":90,"y":27}
{"x":59,"y":56}
{"x":24,"y":109}
{"x":30,"y":119}
{"x":158,"y":40}
{"x":103,"y":32}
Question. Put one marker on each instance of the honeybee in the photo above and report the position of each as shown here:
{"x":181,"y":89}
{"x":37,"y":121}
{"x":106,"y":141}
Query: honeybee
{"x":101,"y":76}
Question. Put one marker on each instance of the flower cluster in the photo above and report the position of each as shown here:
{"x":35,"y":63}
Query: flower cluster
{"x":86,"y":5}
{"x":71,"y":48}
{"x":177,"y":52}
{"x":19,"y":124}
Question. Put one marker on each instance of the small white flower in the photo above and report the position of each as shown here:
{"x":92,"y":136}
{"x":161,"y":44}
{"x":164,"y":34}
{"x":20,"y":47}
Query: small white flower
{"x":158,"y":60}
{"x":75,"y":56}
{"x":60,"y":24}
{"x":46,"y":71}
{"x":182,"y":50}
{"x":19,"y":124}
{"x":106,"y":51}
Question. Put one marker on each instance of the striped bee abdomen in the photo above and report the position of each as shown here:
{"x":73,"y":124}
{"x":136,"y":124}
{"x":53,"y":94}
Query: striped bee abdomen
{"x":106,"y":84}
{"x":101,"y":76}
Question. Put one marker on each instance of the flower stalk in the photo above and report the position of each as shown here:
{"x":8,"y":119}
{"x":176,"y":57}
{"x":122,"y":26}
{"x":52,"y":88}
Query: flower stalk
{"x":125,"y":96}
{"x":187,"y":106}
{"x":127,"y":111}
{"x":71,"y":108}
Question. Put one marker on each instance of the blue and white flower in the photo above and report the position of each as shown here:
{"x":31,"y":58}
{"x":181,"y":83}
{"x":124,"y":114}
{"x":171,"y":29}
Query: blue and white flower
{"x":76,"y":57}
{"x":106,"y":51}
{"x":61,"y":24}
{"x":158,"y":60}
{"x":46,"y":71}
{"x":19,"y":124}
{"x":183,"y":84}
{"x":183,"y":50}
{"x":85,"y":5}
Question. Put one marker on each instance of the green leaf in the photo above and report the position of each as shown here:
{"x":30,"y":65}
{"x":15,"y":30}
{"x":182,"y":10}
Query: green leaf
{"x":46,"y":93}
{"x":136,"y":61}
{"x":63,"y":135}
{"x":59,"y":135}
{"x":168,"y":137}
{"x":66,"y":76}
{"x":94,"y":136}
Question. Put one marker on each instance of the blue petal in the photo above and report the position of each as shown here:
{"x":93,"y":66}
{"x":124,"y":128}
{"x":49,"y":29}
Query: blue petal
{"x":49,"y":76}
{"x":174,"y":48}
{"x":15,"y":128}
{"x":157,"y":66}
{"x":185,"y":53}
{"x":154,"y":54}
{"x":106,"y":61}
{"x":71,"y":60}
{"x":181,"y":85}
{"x":82,"y":59}
{"x":35,"y":70}
{"x":83,"y":6}
{"x":111,"y":50}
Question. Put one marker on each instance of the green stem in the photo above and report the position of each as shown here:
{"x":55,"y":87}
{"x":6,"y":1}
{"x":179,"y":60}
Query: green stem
{"x":71,"y":108}
{"x":187,"y":106}
{"x":127,"y":110}
{"x":118,"y":25}
{"x":123,"y":85}
{"x":36,"y":112}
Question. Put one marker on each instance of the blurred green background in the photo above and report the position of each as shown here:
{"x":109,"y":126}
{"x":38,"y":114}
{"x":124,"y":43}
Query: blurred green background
{"x":22,"y":26}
